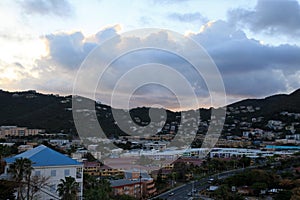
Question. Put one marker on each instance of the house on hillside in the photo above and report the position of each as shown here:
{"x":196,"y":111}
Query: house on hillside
{"x":53,"y":165}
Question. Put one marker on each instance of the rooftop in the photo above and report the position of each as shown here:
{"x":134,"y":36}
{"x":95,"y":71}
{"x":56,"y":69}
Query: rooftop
{"x":121,"y":182}
{"x":44,"y":156}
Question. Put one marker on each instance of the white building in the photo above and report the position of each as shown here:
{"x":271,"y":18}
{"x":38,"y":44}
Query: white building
{"x":51,"y":164}
{"x":156,"y":146}
{"x":234,"y":152}
{"x":60,"y":142}
{"x":293,"y":137}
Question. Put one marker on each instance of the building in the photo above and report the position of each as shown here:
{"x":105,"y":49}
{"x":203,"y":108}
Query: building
{"x":8,"y":131}
{"x":149,"y":188}
{"x":92,"y":168}
{"x":24,"y":147}
{"x":234,"y":152}
{"x":132,"y":188}
{"x":156,"y":146}
{"x":107,"y":171}
{"x":60,"y":142}
{"x":53,"y":165}
{"x":162,"y":173}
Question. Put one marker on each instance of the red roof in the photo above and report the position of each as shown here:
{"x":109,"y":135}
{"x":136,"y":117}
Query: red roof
{"x":91,"y":164}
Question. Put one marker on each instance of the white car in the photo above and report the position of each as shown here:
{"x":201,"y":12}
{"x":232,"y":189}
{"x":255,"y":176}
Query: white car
{"x":171,"y":193}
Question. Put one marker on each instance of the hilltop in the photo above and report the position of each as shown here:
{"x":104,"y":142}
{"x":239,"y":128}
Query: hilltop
{"x":54,"y":113}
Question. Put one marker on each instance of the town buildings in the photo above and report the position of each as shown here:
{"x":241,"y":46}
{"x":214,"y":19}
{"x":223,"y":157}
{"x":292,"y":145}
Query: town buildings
{"x":136,"y":183}
{"x":52,"y":165}
{"x":128,"y":187}
{"x":8,"y":131}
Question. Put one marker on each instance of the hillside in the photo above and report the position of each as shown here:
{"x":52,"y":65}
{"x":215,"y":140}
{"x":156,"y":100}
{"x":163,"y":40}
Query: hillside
{"x":35,"y":110}
{"x":274,"y":104}
{"x":53,"y":113}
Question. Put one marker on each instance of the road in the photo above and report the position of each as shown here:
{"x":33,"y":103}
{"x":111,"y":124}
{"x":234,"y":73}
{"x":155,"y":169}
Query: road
{"x":182,"y":192}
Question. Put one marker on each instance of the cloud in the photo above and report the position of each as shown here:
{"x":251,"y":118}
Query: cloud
{"x":107,"y":33}
{"x":248,"y":67}
{"x":271,"y":17}
{"x":11,"y":74}
{"x":55,"y":71}
{"x":165,"y":2}
{"x":60,"y":8}
{"x":68,"y":50}
{"x":188,"y":17}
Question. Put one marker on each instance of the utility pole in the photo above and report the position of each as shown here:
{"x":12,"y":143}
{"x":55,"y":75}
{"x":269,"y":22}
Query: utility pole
{"x":192,"y":188}
{"x":141,"y":192}
{"x":192,"y":185}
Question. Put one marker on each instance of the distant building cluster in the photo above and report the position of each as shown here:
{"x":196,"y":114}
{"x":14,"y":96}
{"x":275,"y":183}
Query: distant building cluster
{"x":8,"y":131}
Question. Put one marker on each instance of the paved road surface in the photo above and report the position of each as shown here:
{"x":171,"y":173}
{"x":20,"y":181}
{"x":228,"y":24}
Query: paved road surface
{"x":182,"y":192}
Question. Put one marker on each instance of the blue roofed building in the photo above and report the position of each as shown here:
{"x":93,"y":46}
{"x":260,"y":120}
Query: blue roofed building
{"x":53,"y":165}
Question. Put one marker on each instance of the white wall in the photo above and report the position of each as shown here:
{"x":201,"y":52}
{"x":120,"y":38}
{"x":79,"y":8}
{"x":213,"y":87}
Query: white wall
{"x":53,"y":181}
{"x":59,"y":172}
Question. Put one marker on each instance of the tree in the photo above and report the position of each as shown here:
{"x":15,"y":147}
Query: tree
{"x":7,"y":190}
{"x":95,"y":189}
{"x":68,"y":188}
{"x":90,"y":157}
{"x":286,"y":184}
{"x":125,"y":197}
{"x":6,"y":150}
{"x":245,"y":161}
{"x":21,"y":170}
{"x":296,"y":194}
{"x":27,"y":172}
{"x":223,"y":192}
{"x":37,"y":183}
{"x":283,"y":195}
{"x":258,"y":186}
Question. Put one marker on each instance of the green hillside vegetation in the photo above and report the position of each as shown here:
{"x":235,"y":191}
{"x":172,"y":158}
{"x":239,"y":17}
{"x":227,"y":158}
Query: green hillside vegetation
{"x":54,"y":113}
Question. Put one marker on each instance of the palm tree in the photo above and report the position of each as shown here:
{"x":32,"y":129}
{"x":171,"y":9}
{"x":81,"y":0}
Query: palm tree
{"x":21,"y":170}
{"x":68,"y":188}
{"x":96,"y":189}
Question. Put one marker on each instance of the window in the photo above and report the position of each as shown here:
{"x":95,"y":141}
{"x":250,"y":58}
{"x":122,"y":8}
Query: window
{"x":67,"y":172}
{"x":78,"y":172}
{"x":37,"y":173}
{"x":53,"y":172}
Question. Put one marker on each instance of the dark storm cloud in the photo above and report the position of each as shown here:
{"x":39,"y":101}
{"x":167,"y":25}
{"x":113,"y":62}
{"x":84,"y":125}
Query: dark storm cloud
{"x":247,"y":66}
{"x":272,"y":17}
{"x":187,"y":17}
{"x":47,"y":7}
{"x":235,"y":53}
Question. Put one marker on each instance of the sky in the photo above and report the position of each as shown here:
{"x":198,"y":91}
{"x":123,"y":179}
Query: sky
{"x":254,"y":44}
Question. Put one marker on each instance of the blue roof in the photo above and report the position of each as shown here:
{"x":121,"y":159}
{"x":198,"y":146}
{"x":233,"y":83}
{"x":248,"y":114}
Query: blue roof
{"x":282,"y":147}
{"x":44,"y":156}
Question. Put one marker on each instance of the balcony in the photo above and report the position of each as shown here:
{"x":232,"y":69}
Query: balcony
{"x":152,"y":191}
{"x":149,"y":186}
